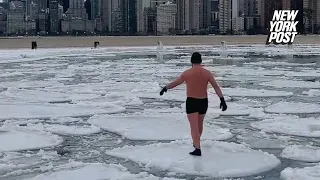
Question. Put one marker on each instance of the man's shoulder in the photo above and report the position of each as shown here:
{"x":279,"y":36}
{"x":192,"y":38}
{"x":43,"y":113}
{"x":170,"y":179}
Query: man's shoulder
{"x":187,"y":71}
{"x":206,"y":70}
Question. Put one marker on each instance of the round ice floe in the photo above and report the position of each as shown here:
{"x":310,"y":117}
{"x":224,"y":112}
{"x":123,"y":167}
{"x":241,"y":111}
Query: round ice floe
{"x":95,"y":171}
{"x":235,"y":109}
{"x":312,"y":92}
{"x":279,"y":63}
{"x":114,"y":98}
{"x":291,"y":83}
{"x":30,"y":84}
{"x":155,"y":127}
{"x":109,"y":86}
{"x":42,"y":65}
{"x":303,"y":74}
{"x":307,"y":173}
{"x":65,"y":120}
{"x":65,"y":130}
{"x":245,"y":78}
{"x":253,"y":103}
{"x":234,"y":70}
{"x":17,"y":141}
{"x":254,"y":92}
{"x":302,"y":153}
{"x":35,"y":95}
{"x":293,"y":108}
{"x":29,"y":111}
{"x":11,"y":161}
{"x":219,"y":159}
{"x":163,"y":110}
{"x":262,"y":140}
{"x":309,"y":127}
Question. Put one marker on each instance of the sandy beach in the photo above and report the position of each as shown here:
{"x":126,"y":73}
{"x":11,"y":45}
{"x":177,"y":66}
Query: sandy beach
{"x":88,"y":41}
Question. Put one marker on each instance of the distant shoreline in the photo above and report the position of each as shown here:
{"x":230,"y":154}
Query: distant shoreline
{"x":108,"y":41}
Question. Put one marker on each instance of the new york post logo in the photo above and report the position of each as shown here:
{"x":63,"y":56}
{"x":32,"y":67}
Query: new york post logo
{"x":283,"y":27}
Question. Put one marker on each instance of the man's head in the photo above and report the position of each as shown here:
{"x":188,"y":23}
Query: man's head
{"x":196,"y":58}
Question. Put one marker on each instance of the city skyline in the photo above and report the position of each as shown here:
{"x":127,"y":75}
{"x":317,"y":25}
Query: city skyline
{"x":150,"y":17}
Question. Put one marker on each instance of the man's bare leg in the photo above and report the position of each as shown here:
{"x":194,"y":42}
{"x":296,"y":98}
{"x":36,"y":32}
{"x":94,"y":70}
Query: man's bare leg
{"x":193,"y":120}
{"x":200,"y":123}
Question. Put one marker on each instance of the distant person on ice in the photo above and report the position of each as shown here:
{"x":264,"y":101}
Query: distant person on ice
{"x":197,"y":79}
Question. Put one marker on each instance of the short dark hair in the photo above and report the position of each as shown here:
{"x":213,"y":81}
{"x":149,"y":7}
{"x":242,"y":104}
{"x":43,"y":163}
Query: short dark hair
{"x":196,"y":58}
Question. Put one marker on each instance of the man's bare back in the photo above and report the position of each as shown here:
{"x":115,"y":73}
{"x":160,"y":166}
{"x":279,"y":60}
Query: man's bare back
{"x":197,"y":79}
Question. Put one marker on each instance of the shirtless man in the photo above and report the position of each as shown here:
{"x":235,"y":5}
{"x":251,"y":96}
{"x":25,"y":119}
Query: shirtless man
{"x":197,"y":79}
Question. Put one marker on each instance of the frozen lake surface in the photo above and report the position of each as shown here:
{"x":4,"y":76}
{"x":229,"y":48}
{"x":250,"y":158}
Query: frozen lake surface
{"x":96,"y":114}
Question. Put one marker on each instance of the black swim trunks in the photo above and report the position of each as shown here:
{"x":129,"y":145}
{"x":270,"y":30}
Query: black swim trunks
{"x":194,"y":105}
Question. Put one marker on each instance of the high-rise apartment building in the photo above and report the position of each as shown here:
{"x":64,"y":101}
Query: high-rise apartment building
{"x":95,"y":9}
{"x":166,"y":17}
{"x":298,"y":5}
{"x":15,"y":18}
{"x":54,"y":17}
{"x":129,"y":16}
{"x":111,"y":14}
{"x":150,"y":18}
{"x":142,"y":6}
{"x":76,"y":18}
{"x":194,"y":13}
{"x":3,"y":20}
{"x":77,"y":10}
{"x":269,"y":7}
{"x":224,"y":16}
{"x":43,"y":15}
{"x":312,"y":22}
{"x":34,"y":14}
{"x":190,"y":15}
{"x":181,"y":15}
{"x":237,"y":17}
{"x":211,"y":14}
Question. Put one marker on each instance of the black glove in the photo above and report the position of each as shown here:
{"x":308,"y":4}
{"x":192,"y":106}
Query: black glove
{"x":163,"y":90}
{"x":223,"y":104}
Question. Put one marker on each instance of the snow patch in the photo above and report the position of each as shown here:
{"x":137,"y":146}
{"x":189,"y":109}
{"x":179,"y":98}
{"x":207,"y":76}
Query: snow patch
{"x":141,"y":126}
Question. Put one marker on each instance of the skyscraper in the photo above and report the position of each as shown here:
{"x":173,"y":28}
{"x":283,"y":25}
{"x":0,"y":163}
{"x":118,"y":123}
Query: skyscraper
{"x":129,"y":17}
{"x":76,"y":8}
{"x":42,"y":25}
{"x":76,"y":18}
{"x":298,"y":5}
{"x":111,"y":15}
{"x":42,"y":5}
{"x":54,"y":16}
{"x":181,"y":15}
{"x":224,"y":16}
{"x":211,"y":14}
{"x":188,"y":17}
{"x":142,"y":6}
{"x":15,"y":18}
{"x":237,"y":16}
{"x":95,"y":9}
{"x":166,"y":17}
{"x":194,"y":14}
{"x":65,"y":4}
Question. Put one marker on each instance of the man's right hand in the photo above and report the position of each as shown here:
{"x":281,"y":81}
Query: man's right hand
{"x":223,"y":104}
{"x":163,"y":90}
